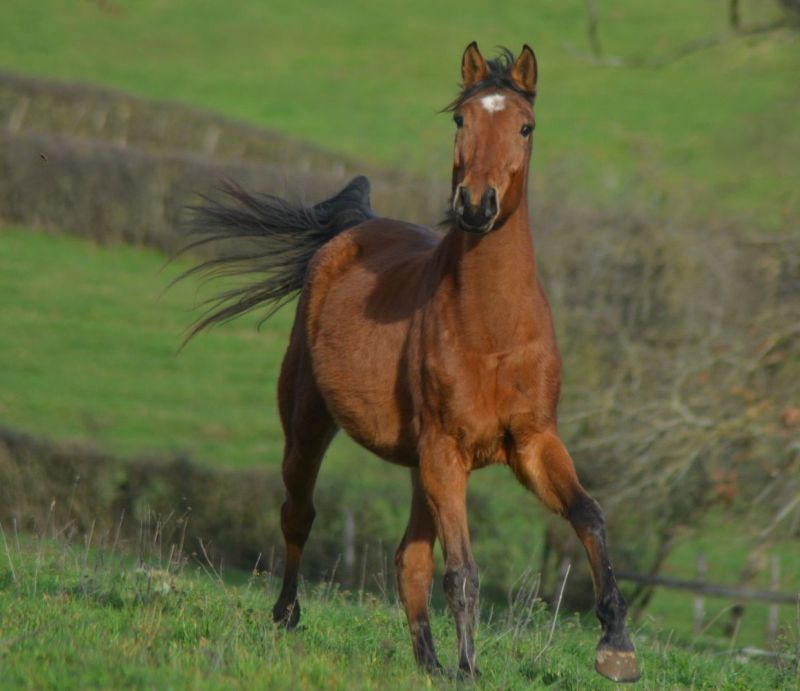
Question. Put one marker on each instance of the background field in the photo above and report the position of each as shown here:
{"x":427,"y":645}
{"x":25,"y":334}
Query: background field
{"x":367,"y":80}
{"x":650,"y":134}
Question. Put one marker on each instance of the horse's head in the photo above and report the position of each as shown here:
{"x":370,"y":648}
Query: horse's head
{"x":494,"y":121}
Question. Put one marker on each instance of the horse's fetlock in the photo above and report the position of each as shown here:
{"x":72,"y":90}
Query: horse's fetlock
{"x":611,"y":610}
{"x":286,"y":613}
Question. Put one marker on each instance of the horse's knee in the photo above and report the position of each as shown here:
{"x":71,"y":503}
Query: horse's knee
{"x":585,"y":514}
{"x":461,"y":586}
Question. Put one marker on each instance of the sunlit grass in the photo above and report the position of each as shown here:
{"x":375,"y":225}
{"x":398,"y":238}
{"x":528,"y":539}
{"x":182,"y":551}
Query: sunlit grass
{"x":70,"y":606}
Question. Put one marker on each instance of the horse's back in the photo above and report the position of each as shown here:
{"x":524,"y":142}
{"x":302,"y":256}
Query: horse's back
{"x":362,"y":292}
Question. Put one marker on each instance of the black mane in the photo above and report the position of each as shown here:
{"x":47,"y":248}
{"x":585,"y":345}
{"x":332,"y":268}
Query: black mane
{"x":499,"y":77}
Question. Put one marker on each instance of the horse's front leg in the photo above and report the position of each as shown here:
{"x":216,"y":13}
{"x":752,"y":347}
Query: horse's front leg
{"x":414,"y":561}
{"x":543,"y":465}
{"x":444,"y":480}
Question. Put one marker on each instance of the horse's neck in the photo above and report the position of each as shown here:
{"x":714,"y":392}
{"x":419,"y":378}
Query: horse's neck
{"x":498,"y":299}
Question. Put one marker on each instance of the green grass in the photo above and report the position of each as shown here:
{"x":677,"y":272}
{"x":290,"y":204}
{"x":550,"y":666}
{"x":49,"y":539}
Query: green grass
{"x":95,"y":355}
{"x":68,"y":609}
{"x":725,"y":543}
{"x":714,"y":130}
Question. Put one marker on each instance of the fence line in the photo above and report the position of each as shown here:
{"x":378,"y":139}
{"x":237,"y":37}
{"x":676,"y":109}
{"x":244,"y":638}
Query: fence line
{"x":711,"y":588}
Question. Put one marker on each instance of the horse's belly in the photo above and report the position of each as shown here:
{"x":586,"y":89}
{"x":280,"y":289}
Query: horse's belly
{"x":364,"y":291}
{"x":358,"y":367}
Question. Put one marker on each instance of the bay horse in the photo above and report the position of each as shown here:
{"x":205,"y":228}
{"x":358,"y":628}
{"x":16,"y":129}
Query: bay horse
{"x":435,"y":353}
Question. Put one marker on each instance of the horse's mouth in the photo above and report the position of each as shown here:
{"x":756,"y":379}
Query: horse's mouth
{"x":478,"y":230}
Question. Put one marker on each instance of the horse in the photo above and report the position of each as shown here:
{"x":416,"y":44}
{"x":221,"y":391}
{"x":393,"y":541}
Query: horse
{"x":434,"y":351}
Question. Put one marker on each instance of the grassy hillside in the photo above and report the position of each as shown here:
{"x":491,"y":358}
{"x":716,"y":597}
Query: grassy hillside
{"x":98,"y":357}
{"x":68,"y":609}
{"x":714,"y":128}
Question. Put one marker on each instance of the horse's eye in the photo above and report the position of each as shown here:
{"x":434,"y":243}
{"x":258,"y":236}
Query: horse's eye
{"x":526,"y":130}
{"x":459,"y":120}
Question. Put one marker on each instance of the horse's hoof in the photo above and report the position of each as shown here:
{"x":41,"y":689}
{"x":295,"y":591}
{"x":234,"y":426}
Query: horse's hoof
{"x":466,"y":674}
{"x":617,"y":665}
{"x":287,"y":616}
{"x":433,"y":668}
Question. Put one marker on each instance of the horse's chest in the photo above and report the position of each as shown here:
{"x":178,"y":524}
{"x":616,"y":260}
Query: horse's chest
{"x":478,"y":397}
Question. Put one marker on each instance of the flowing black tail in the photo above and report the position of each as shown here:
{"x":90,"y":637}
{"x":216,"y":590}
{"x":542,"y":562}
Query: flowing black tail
{"x":280,"y":239}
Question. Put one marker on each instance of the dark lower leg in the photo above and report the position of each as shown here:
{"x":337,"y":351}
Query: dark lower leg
{"x":414,"y":561}
{"x":308,"y":429}
{"x":616,"y":657}
{"x":300,"y":468}
{"x":445,"y":483}
{"x":461,"y":589}
{"x":422,"y":643}
{"x":586,"y":518}
{"x":296,"y":525}
{"x":544,"y":466}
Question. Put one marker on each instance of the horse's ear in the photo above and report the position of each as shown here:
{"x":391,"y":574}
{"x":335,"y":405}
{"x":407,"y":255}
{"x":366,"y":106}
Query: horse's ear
{"x":473,"y":66}
{"x":524,"y":71}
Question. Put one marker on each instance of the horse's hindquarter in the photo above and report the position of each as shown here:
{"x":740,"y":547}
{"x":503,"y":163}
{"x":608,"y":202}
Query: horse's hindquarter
{"x":363,"y":291}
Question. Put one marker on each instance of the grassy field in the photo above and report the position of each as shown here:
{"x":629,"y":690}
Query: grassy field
{"x":98,"y":357}
{"x":368,"y":80}
{"x":68,"y":608}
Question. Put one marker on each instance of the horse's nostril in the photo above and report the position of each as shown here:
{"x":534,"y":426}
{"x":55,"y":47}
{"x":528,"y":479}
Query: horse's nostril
{"x":481,"y":212}
{"x":490,"y":202}
{"x":462,"y":200}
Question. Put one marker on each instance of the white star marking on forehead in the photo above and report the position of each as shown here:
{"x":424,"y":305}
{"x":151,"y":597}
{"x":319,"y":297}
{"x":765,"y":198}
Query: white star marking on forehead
{"x":493,"y":103}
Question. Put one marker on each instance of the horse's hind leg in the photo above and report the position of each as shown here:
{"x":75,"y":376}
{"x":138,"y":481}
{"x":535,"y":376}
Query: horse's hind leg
{"x":414,"y":561}
{"x":543,"y":465}
{"x":309,"y":429}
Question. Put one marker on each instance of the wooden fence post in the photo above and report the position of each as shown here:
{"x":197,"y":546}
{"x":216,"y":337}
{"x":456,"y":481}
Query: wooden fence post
{"x":699,"y":610}
{"x":772,"y":620}
{"x":753,"y":565}
{"x":349,"y":539}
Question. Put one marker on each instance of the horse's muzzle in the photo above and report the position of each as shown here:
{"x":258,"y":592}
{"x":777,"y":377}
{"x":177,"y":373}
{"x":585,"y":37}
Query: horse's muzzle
{"x":475,"y":219}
